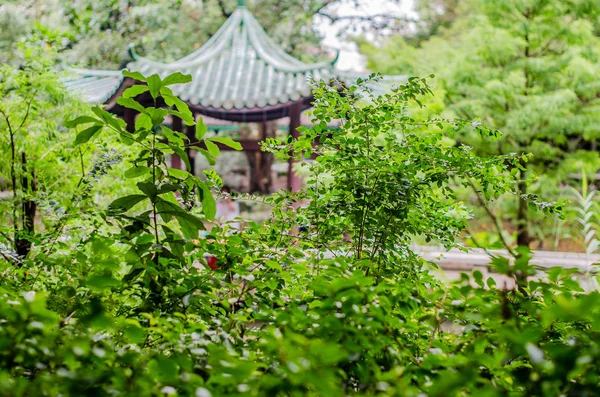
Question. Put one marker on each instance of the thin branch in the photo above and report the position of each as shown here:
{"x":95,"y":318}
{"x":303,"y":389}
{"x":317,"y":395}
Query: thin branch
{"x":224,"y":12}
{"x":494,"y":218}
{"x":367,"y":18}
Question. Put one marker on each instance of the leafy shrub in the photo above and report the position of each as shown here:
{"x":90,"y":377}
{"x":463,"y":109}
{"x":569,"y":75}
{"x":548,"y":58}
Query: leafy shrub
{"x":324,"y":299}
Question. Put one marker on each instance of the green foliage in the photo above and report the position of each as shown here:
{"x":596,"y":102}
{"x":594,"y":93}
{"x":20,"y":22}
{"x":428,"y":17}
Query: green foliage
{"x":527,"y":68}
{"x":324,"y":299}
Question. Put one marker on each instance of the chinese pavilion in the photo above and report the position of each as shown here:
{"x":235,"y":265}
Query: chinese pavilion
{"x":240,"y":75}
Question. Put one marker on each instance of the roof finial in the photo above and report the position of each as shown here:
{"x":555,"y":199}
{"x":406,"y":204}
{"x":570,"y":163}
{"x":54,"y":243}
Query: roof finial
{"x":242,"y":3}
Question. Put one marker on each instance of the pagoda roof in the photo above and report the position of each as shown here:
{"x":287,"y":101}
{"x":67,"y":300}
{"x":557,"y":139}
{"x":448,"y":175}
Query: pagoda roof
{"x":239,"y":68}
{"x":95,"y":86}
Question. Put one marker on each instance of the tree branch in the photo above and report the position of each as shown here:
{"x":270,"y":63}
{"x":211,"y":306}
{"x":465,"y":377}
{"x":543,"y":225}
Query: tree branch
{"x":224,"y":12}
{"x":366,"y":18}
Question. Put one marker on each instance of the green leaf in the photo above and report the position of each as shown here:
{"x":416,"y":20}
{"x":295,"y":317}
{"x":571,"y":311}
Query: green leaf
{"x":209,"y":205}
{"x":80,"y":120}
{"x":478,"y":277}
{"x":135,"y":172}
{"x":181,"y":153}
{"x":143,"y":122}
{"x":145,"y":239}
{"x":172,"y":137}
{"x":168,"y":187}
{"x":181,"y":174}
{"x":209,"y":157}
{"x":154,"y":84}
{"x":148,"y":188}
{"x":102,"y":282}
{"x":125,"y":203}
{"x":109,"y":119}
{"x":189,"y":222}
{"x":133,"y":273}
{"x":201,"y":129}
{"x":134,"y":333}
{"x":87,"y":134}
{"x":134,"y":75}
{"x":130,"y":103}
{"x":134,"y":91}
{"x":186,"y":116}
{"x":177,"y":78}
{"x":157,"y":115}
{"x":163,"y":369}
{"x":228,"y":142}
{"x":166,"y":209}
{"x":212,"y":148}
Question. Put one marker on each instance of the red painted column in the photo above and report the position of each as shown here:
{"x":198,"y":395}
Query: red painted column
{"x":294,"y":182}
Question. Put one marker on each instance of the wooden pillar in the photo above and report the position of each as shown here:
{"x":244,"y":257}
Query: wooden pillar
{"x":129,"y":117}
{"x":175,"y":159}
{"x":190,"y":131}
{"x":294,"y":182}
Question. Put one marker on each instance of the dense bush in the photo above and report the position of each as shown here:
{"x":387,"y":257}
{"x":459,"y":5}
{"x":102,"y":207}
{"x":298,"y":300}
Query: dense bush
{"x":324,"y":299}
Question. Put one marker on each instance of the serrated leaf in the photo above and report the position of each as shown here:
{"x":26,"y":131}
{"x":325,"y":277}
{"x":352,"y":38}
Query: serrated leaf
{"x":125,"y":203}
{"x":228,"y":142}
{"x":87,"y":134}
{"x":134,"y":91}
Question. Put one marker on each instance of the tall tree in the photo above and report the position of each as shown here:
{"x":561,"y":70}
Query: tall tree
{"x":529,"y":68}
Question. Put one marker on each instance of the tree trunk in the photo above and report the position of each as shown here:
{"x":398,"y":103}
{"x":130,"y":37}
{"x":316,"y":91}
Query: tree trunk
{"x":28,"y":211}
{"x":523,"y":237}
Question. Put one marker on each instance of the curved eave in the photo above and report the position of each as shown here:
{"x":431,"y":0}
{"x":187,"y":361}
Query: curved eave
{"x":95,"y":86}
{"x":253,"y":115}
{"x":240,"y":23}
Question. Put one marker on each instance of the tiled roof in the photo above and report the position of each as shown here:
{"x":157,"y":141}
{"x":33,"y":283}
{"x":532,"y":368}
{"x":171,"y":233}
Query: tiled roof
{"x":239,"y":68}
{"x":95,"y":86}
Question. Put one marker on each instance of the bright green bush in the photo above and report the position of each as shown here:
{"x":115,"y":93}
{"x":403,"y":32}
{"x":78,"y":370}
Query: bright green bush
{"x":324,"y":299}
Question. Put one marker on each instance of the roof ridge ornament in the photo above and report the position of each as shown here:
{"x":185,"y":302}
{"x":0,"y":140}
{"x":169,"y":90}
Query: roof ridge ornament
{"x":242,"y":3}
